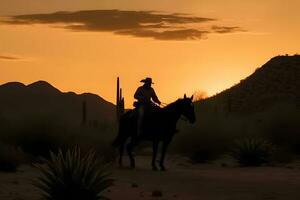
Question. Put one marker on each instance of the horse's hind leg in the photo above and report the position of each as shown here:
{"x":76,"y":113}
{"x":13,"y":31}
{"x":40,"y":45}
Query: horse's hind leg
{"x":121,"y":150}
{"x":130,"y":147}
{"x":154,"y":154}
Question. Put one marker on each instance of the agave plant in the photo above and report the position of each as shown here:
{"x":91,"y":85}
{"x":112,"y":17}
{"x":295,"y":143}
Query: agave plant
{"x":73,"y":176}
{"x":10,"y":158}
{"x":252,"y":151}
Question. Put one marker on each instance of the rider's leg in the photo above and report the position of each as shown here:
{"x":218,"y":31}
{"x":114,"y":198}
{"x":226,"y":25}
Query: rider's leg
{"x":141,"y":113}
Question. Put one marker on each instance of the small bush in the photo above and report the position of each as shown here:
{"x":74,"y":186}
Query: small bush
{"x":10,"y":158}
{"x":252,"y":151}
{"x":40,"y":144}
{"x":202,"y":145}
{"x":202,"y":155}
{"x":72,"y":175}
{"x":283,"y":127}
{"x":210,"y":137}
{"x":38,"y":136}
{"x":157,"y":193}
{"x":283,"y":155}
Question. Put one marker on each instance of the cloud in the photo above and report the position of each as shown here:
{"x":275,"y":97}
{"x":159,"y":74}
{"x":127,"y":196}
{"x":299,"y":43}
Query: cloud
{"x":4,"y":57}
{"x":185,"y":34}
{"x":227,"y":29}
{"x":149,"y":24}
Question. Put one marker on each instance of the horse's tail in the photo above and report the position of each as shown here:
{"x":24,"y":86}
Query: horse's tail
{"x":119,"y":139}
{"x":123,"y":129}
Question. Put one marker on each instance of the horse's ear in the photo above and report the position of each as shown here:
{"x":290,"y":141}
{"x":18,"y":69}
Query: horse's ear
{"x":184,"y":96}
{"x":192,"y":97}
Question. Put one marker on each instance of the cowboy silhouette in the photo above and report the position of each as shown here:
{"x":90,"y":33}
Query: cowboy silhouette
{"x":146,"y":101}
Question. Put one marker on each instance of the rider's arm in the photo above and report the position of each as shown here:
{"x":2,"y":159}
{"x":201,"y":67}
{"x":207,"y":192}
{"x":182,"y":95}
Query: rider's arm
{"x":155,"y":98}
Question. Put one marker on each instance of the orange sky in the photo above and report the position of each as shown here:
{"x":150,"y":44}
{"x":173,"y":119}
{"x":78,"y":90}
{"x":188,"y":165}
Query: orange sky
{"x":90,"y":61}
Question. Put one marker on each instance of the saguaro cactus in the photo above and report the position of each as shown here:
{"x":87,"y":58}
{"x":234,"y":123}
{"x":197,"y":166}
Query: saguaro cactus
{"x":119,"y":101}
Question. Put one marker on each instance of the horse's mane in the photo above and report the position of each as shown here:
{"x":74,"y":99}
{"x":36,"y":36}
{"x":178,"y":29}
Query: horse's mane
{"x":172,"y":105}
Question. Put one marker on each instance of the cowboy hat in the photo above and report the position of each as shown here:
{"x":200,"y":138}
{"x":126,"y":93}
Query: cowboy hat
{"x":147,"y":80}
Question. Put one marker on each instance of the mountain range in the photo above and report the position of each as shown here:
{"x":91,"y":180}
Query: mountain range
{"x":41,"y":99}
{"x":276,"y":82}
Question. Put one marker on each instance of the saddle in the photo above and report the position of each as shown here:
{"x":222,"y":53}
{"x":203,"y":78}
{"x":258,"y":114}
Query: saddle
{"x":151,"y":108}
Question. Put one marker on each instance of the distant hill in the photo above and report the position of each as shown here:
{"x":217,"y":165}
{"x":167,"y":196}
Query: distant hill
{"x":264,"y":105}
{"x":277,"y":81}
{"x":41,"y":99}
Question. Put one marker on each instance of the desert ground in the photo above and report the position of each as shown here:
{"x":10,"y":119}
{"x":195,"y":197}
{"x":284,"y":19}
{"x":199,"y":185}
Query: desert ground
{"x":182,"y":181}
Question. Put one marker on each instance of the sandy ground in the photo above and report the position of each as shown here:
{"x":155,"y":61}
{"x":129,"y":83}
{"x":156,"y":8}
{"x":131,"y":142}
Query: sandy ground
{"x":183,"y":181}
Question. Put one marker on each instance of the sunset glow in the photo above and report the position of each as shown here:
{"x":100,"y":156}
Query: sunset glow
{"x":91,"y":60}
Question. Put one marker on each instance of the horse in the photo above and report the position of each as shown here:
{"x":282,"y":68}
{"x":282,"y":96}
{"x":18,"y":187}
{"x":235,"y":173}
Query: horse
{"x":158,"y":126}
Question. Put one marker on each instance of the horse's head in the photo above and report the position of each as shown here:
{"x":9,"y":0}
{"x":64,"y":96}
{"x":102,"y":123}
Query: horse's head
{"x":187,"y":108}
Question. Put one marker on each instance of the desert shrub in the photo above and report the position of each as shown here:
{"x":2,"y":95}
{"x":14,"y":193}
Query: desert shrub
{"x":10,"y":158}
{"x":282,"y":126}
{"x":282,"y":155}
{"x":73,"y":175}
{"x":39,"y":144}
{"x":202,"y":155}
{"x":215,"y":129}
{"x":102,"y":149}
{"x":157,"y":193}
{"x":201,"y":149}
{"x":252,"y":151}
{"x":88,"y":139}
{"x":208,"y":138}
{"x":38,"y":136}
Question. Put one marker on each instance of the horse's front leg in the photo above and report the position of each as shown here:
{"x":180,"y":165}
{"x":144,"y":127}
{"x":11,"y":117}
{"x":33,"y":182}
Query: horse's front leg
{"x":163,"y":155}
{"x":130,"y":147}
{"x":154,"y":154}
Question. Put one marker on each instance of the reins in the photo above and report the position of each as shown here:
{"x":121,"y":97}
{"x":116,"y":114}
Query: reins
{"x":183,"y":118}
{"x":163,"y":104}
